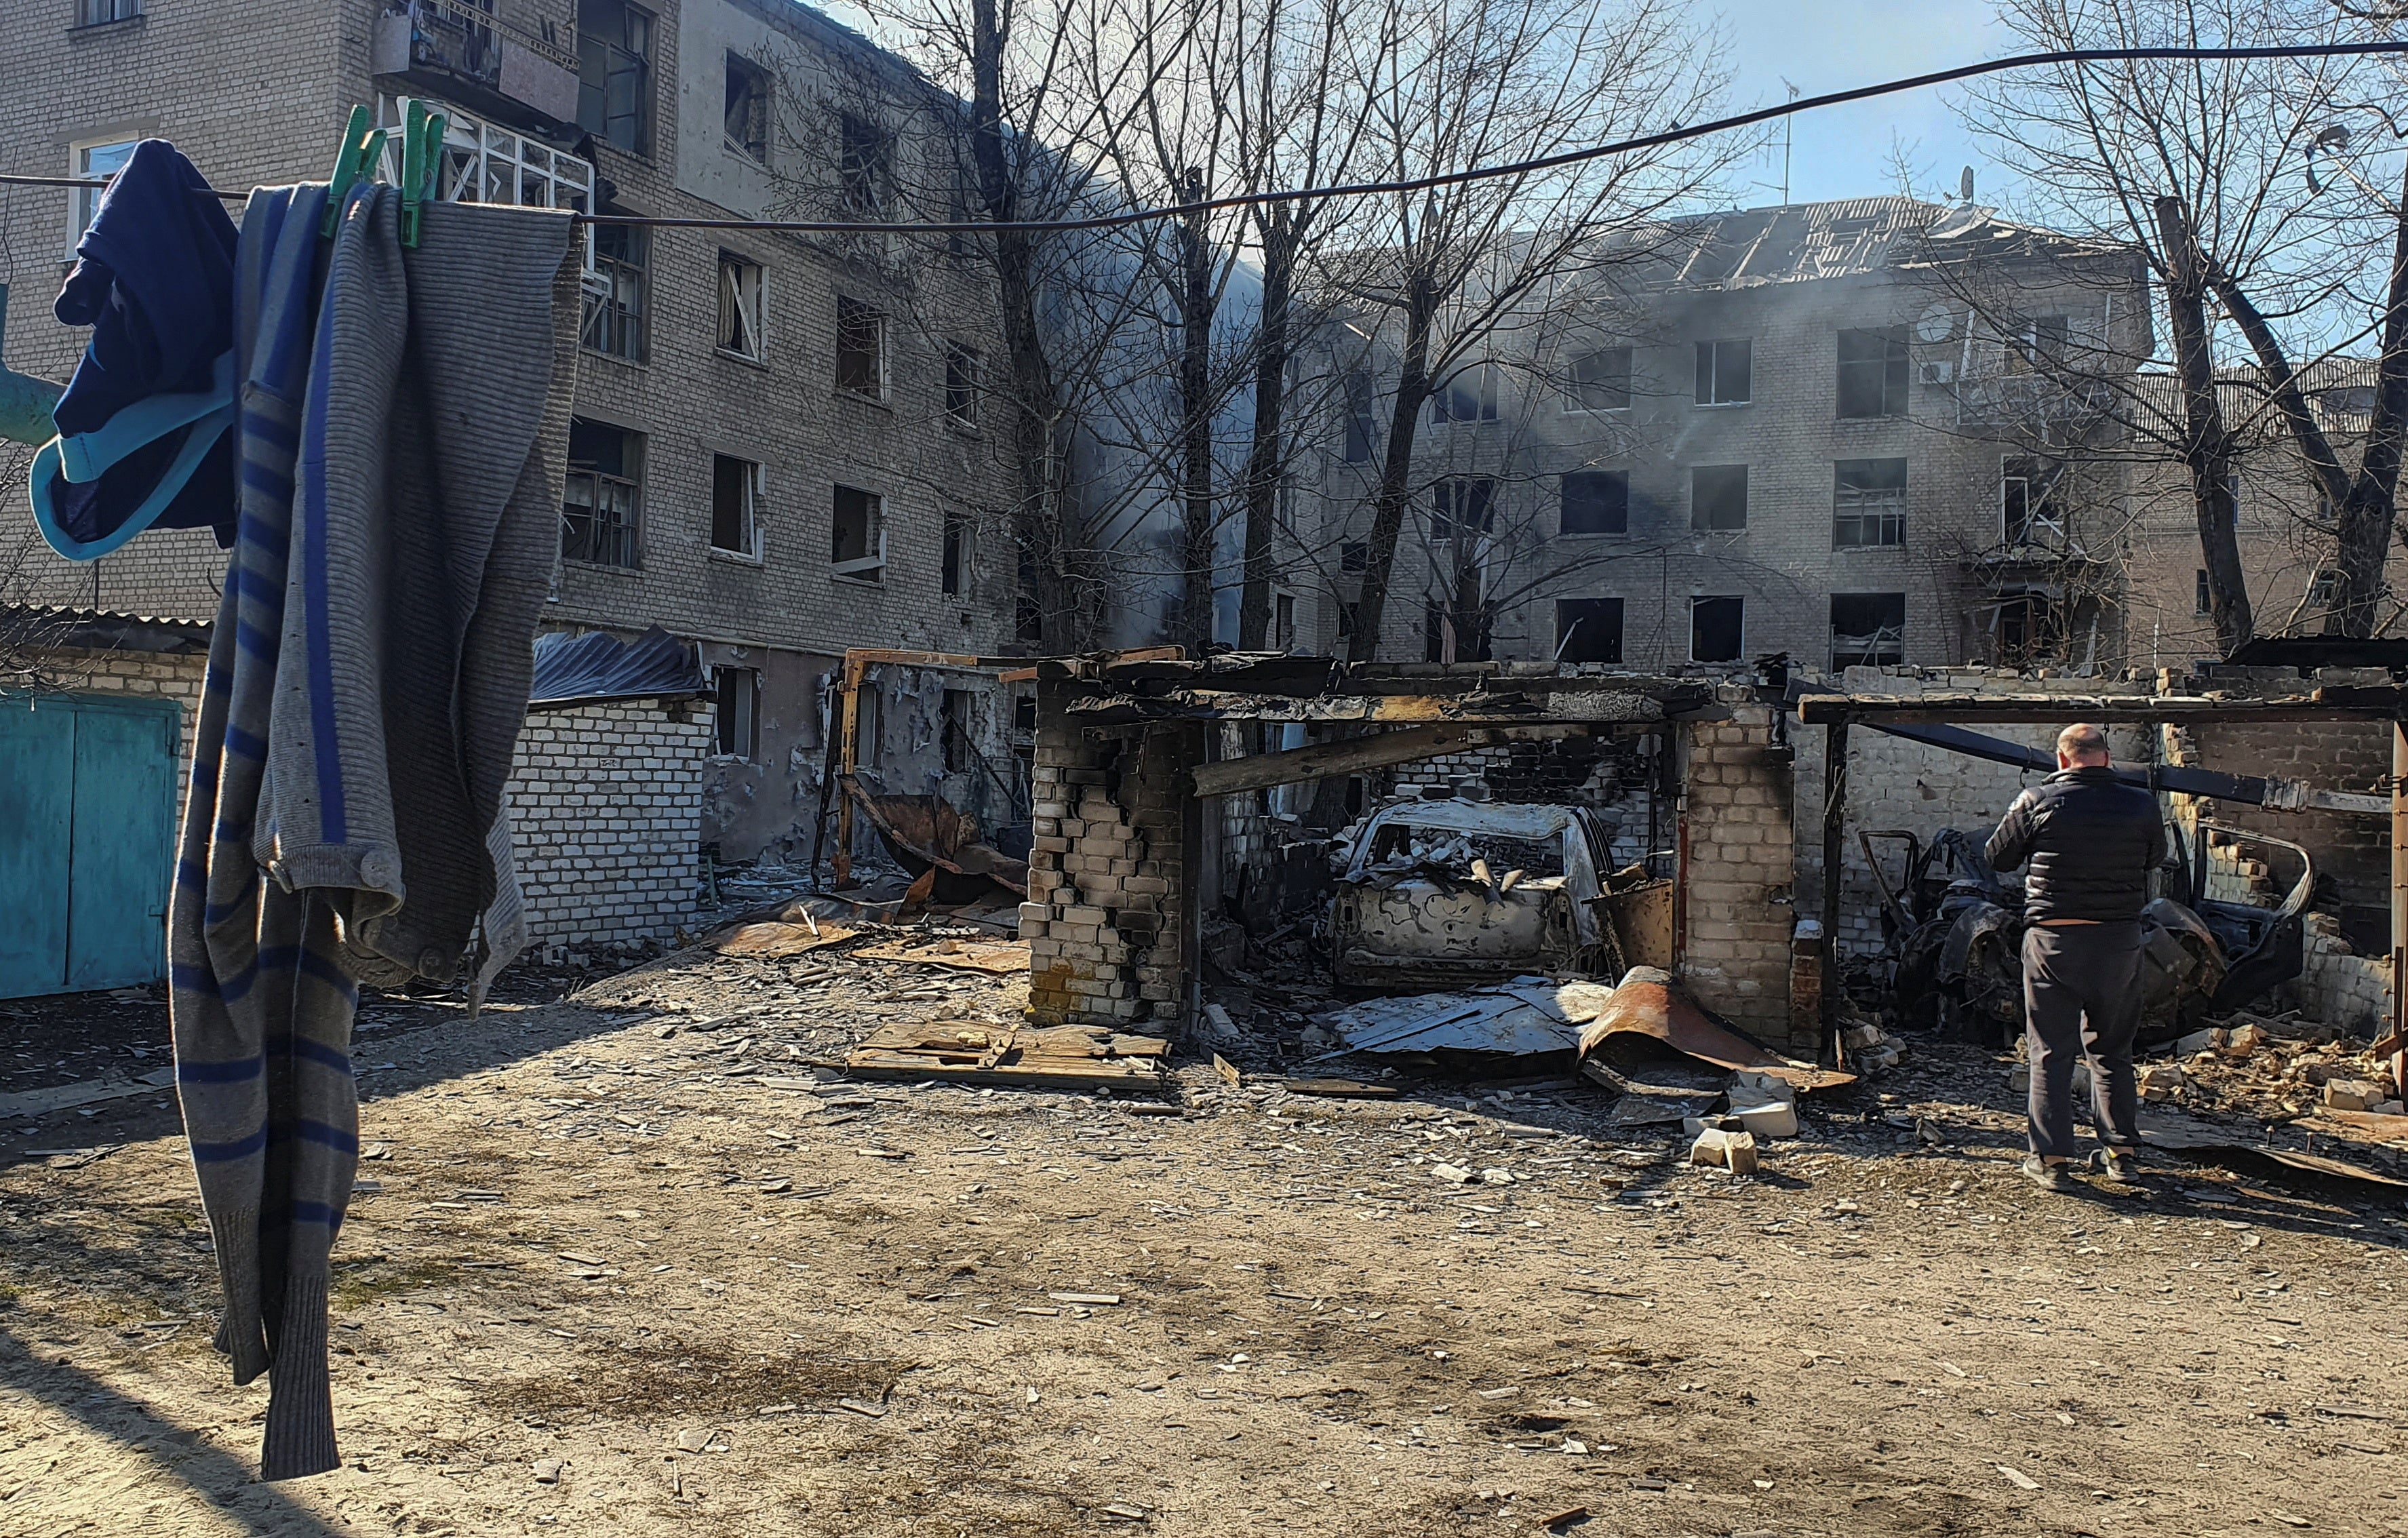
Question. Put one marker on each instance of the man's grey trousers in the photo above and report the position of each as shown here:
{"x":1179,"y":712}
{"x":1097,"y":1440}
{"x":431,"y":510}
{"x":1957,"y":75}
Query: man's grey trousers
{"x":2082,"y":994}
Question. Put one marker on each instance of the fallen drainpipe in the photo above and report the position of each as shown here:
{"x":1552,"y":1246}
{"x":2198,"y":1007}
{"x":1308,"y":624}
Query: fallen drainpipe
{"x":25,"y":402}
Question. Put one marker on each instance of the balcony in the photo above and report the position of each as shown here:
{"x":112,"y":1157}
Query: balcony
{"x":463,"y":51}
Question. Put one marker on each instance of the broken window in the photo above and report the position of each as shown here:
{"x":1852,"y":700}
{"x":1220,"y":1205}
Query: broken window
{"x":2038,"y":346}
{"x":2324,"y":595}
{"x":2030,"y":627}
{"x":600,"y":501}
{"x":1868,"y":504}
{"x":1588,"y":630}
{"x":955,"y":715}
{"x":2200,"y":595}
{"x":1718,"y":498}
{"x":615,"y":73}
{"x":861,"y":349}
{"x":1725,"y":372}
{"x":1353,"y":558}
{"x":1362,"y":428}
{"x":1872,"y":372}
{"x":1470,"y":395}
{"x":1868,"y":629}
{"x":1444,"y":635}
{"x":954,"y":565}
{"x":858,"y":548}
{"x":1715,"y":626}
{"x":1350,"y":615}
{"x":1462,"y":506}
{"x":739,"y":702}
{"x":1283,"y":622}
{"x":861,"y":163}
{"x":2031,"y":505}
{"x":735,"y":493}
{"x":99,"y":13}
{"x":961,"y":384}
{"x":1600,"y":380}
{"x":1594,"y":502}
{"x":614,"y":301}
{"x":1028,"y":612}
{"x":746,"y":109}
{"x":740,"y":306}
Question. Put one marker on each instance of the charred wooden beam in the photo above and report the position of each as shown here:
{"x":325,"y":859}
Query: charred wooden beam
{"x":2362,"y":703}
{"x":1329,"y":760}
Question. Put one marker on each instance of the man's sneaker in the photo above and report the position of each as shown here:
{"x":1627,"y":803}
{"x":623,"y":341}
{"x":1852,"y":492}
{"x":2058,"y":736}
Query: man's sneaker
{"x":2119,"y":1165}
{"x":2048,"y":1176}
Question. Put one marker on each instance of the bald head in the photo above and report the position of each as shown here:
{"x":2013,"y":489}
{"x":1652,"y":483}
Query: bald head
{"x":2080,"y":746}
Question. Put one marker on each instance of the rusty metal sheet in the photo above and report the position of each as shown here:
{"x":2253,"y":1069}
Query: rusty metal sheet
{"x":1648,"y":1003}
{"x":926,"y":831}
{"x":1642,"y":923}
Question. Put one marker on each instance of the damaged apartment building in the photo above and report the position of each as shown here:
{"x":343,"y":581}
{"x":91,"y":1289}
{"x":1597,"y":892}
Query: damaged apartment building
{"x":781,"y":446}
{"x":1865,"y":432}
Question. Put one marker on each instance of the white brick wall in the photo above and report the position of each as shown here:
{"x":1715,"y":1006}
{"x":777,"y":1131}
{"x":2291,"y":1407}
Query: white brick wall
{"x":605,"y":809}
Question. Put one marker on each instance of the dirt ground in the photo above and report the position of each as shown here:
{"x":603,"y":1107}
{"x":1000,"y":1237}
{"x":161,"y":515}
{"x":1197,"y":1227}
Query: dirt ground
{"x":624,"y":1264}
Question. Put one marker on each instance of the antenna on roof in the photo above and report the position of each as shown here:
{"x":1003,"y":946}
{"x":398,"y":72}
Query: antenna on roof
{"x":1965,"y":185}
{"x":1785,"y":130}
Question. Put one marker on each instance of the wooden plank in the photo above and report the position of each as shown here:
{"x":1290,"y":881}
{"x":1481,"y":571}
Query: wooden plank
{"x":1501,"y":709}
{"x":976,"y":1053}
{"x":37,"y":778}
{"x":999,"y":957}
{"x":1329,"y":760}
{"x":774,"y":940}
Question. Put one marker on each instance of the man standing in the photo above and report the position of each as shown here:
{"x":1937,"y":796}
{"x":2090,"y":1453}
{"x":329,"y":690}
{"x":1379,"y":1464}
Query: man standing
{"x":2092,"y":841}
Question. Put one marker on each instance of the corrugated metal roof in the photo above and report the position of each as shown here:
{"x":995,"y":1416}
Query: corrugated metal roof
{"x":1800,"y":243}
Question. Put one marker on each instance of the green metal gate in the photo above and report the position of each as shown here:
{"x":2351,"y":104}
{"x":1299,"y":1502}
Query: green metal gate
{"x":87,"y":840}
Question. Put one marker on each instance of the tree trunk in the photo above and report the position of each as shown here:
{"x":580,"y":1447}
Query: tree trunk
{"x":1040,"y":533}
{"x":1396,"y":487}
{"x":1196,"y":308}
{"x":2207,"y":449}
{"x":1267,"y":463}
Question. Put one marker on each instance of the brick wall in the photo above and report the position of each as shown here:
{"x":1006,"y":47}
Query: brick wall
{"x":2338,"y":985}
{"x":1107,"y":913}
{"x":606,"y":812}
{"x":1736,"y":888}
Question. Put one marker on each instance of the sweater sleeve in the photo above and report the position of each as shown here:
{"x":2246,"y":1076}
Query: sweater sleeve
{"x":2012,"y":844}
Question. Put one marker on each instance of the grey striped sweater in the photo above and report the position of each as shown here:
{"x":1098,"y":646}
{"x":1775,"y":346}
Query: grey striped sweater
{"x":403,"y":420}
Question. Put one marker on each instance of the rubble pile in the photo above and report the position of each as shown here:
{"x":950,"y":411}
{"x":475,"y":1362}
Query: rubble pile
{"x":2278,"y":1069}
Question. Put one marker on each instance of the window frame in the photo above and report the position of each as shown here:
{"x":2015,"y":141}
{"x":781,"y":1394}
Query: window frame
{"x":749,"y":750}
{"x":1620,"y":521}
{"x":734,"y":269}
{"x":754,"y":484}
{"x":119,"y":10}
{"x":609,"y":52}
{"x":957,"y":715}
{"x":955,"y":554}
{"x":961,"y":394}
{"x":1446,"y":494}
{"x":869,"y":569}
{"x":1876,"y":659}
{"x":1486,"y":392}
{"x":757,"y":132}
{"x":2202,"y":596}
{"x":1708,"y":383}
{"x":1891,"y":373}
{"x":83,"y":203}
{"x":1697,"y":512}
{"x":1564,"y":636}
{"x":1864,"y":510}
{"x":863,"y":162}
{"x":1359,"y":429}
{"x":617,"y":276}
{"x":1576,"y":403}
{"x":627,"y":522}
{"x":853,"y":311}
{"x":1738,"y":649}
{"x":2018,"y":475}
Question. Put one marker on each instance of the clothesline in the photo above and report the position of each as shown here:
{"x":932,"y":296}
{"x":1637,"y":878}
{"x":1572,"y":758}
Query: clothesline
{"x":1677,"y":133}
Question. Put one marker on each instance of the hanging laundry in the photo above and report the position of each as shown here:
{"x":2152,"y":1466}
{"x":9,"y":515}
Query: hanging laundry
{"x":403,"y":427}
{"x":143,"y":439}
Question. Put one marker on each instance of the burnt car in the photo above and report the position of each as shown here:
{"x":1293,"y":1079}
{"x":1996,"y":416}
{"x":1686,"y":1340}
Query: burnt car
{"x":1955,"y":928}
{"x":1437,"y":894}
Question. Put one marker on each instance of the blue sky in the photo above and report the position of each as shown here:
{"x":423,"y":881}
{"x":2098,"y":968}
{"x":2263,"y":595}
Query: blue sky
{"x":1829,"y":45}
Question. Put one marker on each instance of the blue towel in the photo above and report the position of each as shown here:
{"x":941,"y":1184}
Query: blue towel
{"x":142,"y":440}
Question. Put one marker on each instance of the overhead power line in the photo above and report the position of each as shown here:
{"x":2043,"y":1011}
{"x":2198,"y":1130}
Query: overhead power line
{"x":1676,"y":134}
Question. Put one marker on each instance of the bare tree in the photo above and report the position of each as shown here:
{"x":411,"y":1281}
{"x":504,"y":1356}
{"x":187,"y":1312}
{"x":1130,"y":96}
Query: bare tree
{"x":1459,"y":84}
{"x":2208,"y":168}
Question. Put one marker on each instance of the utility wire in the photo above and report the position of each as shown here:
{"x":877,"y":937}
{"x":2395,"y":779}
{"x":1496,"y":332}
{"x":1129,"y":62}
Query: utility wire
{"x":1677,"y":133}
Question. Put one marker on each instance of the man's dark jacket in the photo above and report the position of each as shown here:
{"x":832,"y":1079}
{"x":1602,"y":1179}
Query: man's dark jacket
{"x":2092,"y":841}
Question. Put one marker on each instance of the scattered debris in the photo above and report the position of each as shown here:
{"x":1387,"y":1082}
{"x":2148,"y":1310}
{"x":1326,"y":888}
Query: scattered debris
{"x":1733,"y":1151}
{"x":1000,"y":956}
{"x":777,"y":937}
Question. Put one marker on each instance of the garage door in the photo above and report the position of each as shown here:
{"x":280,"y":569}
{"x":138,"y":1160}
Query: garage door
{"x":87,"y":831}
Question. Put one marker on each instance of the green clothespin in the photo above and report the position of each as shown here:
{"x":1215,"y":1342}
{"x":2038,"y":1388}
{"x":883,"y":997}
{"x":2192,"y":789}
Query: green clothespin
{"x":422,"y":167}
{"x":356,"y":162}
